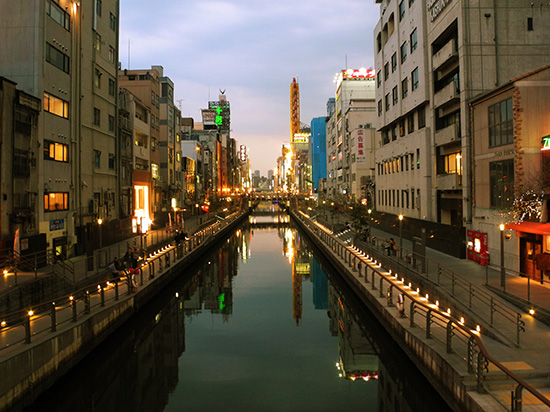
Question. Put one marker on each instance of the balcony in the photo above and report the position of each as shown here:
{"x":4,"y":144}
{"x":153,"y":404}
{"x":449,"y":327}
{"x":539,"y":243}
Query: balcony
{"x":444,"y":54}
{"x":447,"y":95}
{"x":447,"y":135}
{"x":450,"y":181}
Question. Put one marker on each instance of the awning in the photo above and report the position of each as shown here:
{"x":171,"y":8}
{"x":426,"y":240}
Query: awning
{"x":530,"y":227}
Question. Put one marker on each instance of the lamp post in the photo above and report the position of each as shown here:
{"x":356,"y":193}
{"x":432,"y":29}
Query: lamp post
{"x":502,"y":273}
{"x":401,"y":236}
{"x":370,"y":235}
{"x":99,"y":222}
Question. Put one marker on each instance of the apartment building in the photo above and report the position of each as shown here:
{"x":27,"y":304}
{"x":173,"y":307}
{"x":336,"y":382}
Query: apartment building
{"x":70,"y":64}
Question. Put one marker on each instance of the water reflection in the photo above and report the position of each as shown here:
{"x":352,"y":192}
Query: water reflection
{"x":263,"y":325}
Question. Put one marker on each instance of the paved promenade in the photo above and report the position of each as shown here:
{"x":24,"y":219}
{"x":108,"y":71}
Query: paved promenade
{"x":102,"y":257}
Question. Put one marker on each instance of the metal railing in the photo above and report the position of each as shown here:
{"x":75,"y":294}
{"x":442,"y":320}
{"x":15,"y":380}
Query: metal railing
{"x":490,"y":310}
{"x":453,"y":334}
{"x":23,"y":326}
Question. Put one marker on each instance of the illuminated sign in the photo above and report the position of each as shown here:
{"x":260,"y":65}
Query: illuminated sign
{"x":155,"y":171}
{"x":545,"y":143}
{"x":361,"y":147}
{"x":301,"y":137}
{"x":352,"y":74}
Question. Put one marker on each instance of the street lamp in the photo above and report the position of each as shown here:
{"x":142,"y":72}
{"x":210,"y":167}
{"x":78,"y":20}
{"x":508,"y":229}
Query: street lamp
{"x":99,"y":222}
{"x":370,"y":235}
{"x":502,"y":274}
{"x":401,"y":236}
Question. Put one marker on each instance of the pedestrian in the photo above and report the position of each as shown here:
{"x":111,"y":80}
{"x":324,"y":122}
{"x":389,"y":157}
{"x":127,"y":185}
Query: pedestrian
{"x":391,"y":247}
{"x":129,"y":257}
{"x":132,"y":282}
{"x":116,"y":269}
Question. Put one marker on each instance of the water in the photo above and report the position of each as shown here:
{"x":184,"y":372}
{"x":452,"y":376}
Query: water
{"x":262,"y":325}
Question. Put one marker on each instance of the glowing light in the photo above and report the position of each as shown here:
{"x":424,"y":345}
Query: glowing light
{"x":462,"y":320}
{"x":5,"y":272}
{"x":30,"y":313}
{"x":531,"y":311}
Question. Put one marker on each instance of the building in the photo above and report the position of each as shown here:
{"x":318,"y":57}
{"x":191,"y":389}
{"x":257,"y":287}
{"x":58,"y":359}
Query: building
{"x":510,"y":143}
{"x":20,"y":205}
{"x":350,"y":135}
{"x":432,"y":59}
{"x":318,"y":144}
{"x":72,"y":69}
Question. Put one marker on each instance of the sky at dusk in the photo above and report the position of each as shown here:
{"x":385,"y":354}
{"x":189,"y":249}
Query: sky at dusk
{"x":251,"y":49}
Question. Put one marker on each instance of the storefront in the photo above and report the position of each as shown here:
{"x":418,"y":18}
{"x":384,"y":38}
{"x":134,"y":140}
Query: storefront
{"x":534,"y":249}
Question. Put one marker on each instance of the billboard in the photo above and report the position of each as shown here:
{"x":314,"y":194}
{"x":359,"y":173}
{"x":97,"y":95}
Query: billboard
{"x":208,"y":117}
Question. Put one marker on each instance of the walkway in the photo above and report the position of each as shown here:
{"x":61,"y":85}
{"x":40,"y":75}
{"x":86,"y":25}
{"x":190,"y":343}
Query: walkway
{"x":102,"y":257}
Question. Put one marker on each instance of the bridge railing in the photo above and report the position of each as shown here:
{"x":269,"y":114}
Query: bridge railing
{"x":454,"y":334}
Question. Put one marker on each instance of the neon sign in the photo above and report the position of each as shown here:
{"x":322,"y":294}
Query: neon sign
{"x":545,"y":143}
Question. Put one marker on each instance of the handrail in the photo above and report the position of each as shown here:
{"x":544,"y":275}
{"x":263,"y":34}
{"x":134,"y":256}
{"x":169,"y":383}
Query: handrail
{"x":493,"y":306}
{"x":157,"y":261}
{"x":430,"y":310}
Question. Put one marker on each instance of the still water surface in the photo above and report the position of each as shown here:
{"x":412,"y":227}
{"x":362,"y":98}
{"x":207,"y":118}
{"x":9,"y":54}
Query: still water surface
{"x":262,"y":325}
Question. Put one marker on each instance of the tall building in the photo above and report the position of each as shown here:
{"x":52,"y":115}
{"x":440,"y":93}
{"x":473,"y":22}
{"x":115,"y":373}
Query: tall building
{"x":69,"y":62}
{"x":432,"y":58}
{"x":318,"y":144}
{"x":351,"y":136}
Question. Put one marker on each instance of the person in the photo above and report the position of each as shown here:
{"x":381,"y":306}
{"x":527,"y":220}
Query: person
{"x":116,"y":268}
{"x":129,"y":258}
{"x":391,"y":246}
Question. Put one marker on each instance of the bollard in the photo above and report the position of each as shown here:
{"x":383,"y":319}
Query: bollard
{"x":450,"y":334}
{"x":28,"y":327}
{"x":116,"y":290}
{"x":102,"y":293}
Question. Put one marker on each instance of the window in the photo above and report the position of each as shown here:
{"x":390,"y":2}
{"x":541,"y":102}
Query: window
{"x":386,"y":71}
{"x":379,"y":78}
{"x":97,"y":78}
{"x":97,"y":158}
{"x":97,"y":42}
{"x":56,"y":106}
{"x":404,"y":87}
{"x":97,"y":117}
{"x":415,"y":79}
{"x":411,"y":2}
{"x":111,"y":161}
{"x":56,"y":201}
{"x":401,"y":128}
{"x":111,"y":87}
{"x":403,"y":52}
{"x":414,"y":41}
{"x":393,"y":62}
{"x":501,"y":175}
{"x":111,"y":54}
{"x":410,"y":123}
{"x":57,"y":58}
{"x":421,"y":117}
{"x":111,"y":123}
{"x":98,"y":7}
{"x":58,"y":14}
{"x":394,"y":95}
{"x":56,"y":151}
{"x":379,"y":107}
{"x":530,"y":24}
{"x":112,"y":22}
{"x":501,"y":121}
{"x":452,"y":163}
{"x":387,"y":98}
{"x":402,"y":8}
{"x":418,"y":158}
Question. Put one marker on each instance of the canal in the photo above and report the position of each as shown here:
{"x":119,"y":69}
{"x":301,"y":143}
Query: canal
{"x":262,"y":324}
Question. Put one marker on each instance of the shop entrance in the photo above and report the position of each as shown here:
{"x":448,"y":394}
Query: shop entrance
{"x":60,"y":247}
{"x":530,"y":247}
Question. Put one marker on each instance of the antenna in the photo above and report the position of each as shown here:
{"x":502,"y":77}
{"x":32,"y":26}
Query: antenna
{"x":180,"y":103}
{"x":346,"y":67}
{"x":128,"y":54}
